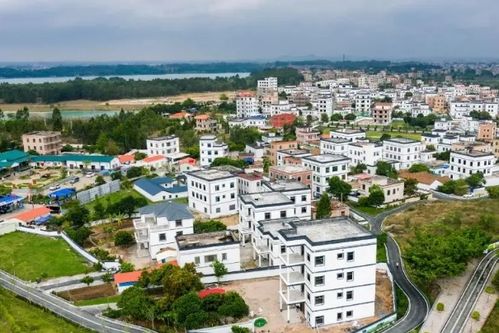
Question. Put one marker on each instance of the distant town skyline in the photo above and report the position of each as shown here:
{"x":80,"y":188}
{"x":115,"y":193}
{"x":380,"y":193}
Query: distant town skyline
{"x":249,"y":30}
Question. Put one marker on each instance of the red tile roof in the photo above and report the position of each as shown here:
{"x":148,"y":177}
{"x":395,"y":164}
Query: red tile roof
{"x":126,"y":158}
{"x":127,"y":277}
{"x":202,"y":117}
{"x":153,"y":158}
{"x":32,"y":214}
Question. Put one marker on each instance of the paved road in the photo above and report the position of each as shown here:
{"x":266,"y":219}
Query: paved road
{"x":418,"y":304}
{"x":64,"y":309}
{"x":462,"y":310}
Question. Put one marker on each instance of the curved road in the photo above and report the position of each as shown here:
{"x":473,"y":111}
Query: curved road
{"x":418,"y":304}
{"x":462,"y":310}
{"x":64,"y":309}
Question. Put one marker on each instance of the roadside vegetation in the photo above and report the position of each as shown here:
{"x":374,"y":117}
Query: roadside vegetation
{"x":17,"y":315}
{"x":31,"y":257}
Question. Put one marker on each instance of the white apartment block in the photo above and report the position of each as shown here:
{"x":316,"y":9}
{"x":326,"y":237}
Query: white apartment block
{"x":210,"y":149}
{"x":463,"y":109}
{"x":257,"y":121}
{"x":404,"y":151}
{"x":467,"y":162}
{"x":246,"y":104}
{"x":203,"y":250}
{"x":249,"y":182}
{"x":363,"y":102}
{"x":158,"y":225}
{"x":324,"y":167}
{"x":324,"y":105}
{"x":261,"y":206}
{"x":297,"y":192}
{"x":267,"y":83}
{"x":212,"y":192}
{"x":349,"y":134}
{"x":368,"y":153}
{"x":283,"y":154}
{"x":165,"y":145}
{"x":328,"y":270}
{"x":334,"y":146}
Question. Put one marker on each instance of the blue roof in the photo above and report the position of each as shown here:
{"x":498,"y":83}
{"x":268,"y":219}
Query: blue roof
{"x":149,"y":186}
{"x":73,"y":157}
{"x":176,"y":189}
{"x":171,"y":210}
{"x":162,"y":180}
{"x":10,"y":157}
{"x":9,"y":199}
{"x":259,"y":117}
{"x":62,"y":193}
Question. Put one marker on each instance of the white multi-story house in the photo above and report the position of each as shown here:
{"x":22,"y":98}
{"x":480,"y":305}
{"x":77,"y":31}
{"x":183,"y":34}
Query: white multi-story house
{"x":363,"y":152}
{"x":249,"y":182}
{"x":349,"y":134}
{"x":257,"y":121}
{"x":268,"y":83}
{"x":328,"y":270}
{"x":164,"y":145}
{"x":211,"y":148}
{"x":261,"y":206}
{"x":203,"y":250}
{"x":334,"y":146}
{"x":297,"y":192}
{"x":324,"y":105}
{"x":363,"y":102}
{"x":246,"y":104}
{"x":463,"y":109}
{"x":403,"y":150}
{"x":212,"y":192}
{"x":467,"y":162}
{"x":283,"y":154}
{"x":158,"y":226}
{"x":324,"y":167}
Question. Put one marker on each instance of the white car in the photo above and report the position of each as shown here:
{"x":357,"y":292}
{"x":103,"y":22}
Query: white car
{"x":53,"y":188}
{"x":90,"y":175}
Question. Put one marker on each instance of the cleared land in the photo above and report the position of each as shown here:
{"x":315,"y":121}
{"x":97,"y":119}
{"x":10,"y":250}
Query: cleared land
{"x":17,"y":315}
{"x":88,"y":293}
{"x":113,"y":105}
{"x":403,"y":225}
{"x":30,"y":257}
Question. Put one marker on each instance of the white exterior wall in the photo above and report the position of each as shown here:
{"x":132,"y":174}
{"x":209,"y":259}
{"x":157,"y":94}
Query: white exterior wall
{"x":249,"y":214}
{"x":210,"y":149}
{"x":463,"y":165}
{"x":330,"y":147}
{"x":249,"y":186}
{"x":214,"y":198}
{"x":368,"y":154}
{"x":405,"y":153}
{"x":246,"y":106}
{"x":201,"y":257}
{"x":321,"y":172}
{"x":163,"y":146}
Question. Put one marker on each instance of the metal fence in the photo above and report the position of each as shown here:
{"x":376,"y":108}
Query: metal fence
{"x":91,"y":194}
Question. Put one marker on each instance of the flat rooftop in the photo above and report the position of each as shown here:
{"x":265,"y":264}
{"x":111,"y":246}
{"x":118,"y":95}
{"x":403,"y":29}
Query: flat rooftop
{"x":472,"y":153}
{"x":44,"y":133}
{"x":283,"y":185}
{"x":263,"y":199}
{"x":289,"y":168}
{"x":326,"y":158}
{"x":402,"y":140}
{"x":192,"y":241}
{"x":326,"y":230}
{"x":336,"y":140}
{"x":211,"y":174}
{"x":348,"y":131}
{"x":161,"y":138}
{"x":294,"y":152}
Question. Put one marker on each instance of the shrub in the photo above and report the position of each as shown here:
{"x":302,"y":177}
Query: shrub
{"x":127,"y":267}
{"x":440,"y":307}
{"x":123,"y":238}
{"x":87,"y":280}
{"x":112,"y":313}
{"x":233,"y":306}
{"x":493,"y":191}
{"x":208,"y":226}
{"x":475,"y":315}
{"x":239,"y":329}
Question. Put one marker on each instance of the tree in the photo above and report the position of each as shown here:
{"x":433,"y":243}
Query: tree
{"x":184,"y":306}
{"x":336,"y":117}
{"x":99,"y":180}
{"x":410,"y":186}
{"x":134,"y":172}
{"x":78,"y":235}
{"x":126,"y":205}
{"x":309,"y":120}
{"x":108,"y":277}
{"x":67,"y":148}
{"x":99,"y":210}
{"x":208,"y":226}
{"x":240,"y":329}
{"x":134,"y":303}
{"x":138,"y":156}
{"x":386,"y":169}
{"x":123,"y":238}
{"x":56,"y":120}
{"x":324,"y":118}
{"x":233,"y":306}
{"x":418,"y":167}
{"x":76,"y":214}
{"x":339,"y":188}
{"x":350,"y":116}
{"x":359,"y":168}
{"x":88,"y":280}
{"x":323,"y":206}
{"x":228,"y":161}
{"x":266,"y":164}
{"x":457,"y":187}
{"x":385,"y":136}
{"x":430,"y":147}
{"x":493,"y":191}
{"x":376,"y":196}
{"x":127,"y":267}
{"x":475,"y":180}
{"x":223,"y":97}
{"x":4,"y":190}
{"x":444,"y":156}
{"x":22,"y":114}
{"x":219,"y":269}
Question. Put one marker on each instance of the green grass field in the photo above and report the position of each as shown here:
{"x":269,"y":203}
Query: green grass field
{"x":30,"y":257}
{"x":17,"y":315}
{"x":112,"y":198}
{"x":492,"y":323}
{"x":100,"y":300}
{"x":374,"y":135}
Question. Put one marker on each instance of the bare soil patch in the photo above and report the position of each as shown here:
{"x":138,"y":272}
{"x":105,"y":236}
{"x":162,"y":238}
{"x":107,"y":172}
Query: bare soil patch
{"x":90,"y":292}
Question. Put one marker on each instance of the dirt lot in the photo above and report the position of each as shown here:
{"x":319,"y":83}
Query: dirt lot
{"x":113,"y":105}
{"x":263,"y":299}
{"x":91,"y":292}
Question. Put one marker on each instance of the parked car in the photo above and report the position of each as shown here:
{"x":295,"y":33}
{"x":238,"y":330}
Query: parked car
{"x":90,"y":174}
{"x":74,"y":180}
{"x":53,"y":188}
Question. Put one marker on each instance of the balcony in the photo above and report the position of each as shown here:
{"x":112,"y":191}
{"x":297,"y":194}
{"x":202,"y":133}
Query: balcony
{"x":261,"y":248}
{"x":291,"y":259}
{"x":141,"y":237}
{"x":292,"y":296}
{"x":292,"y":277}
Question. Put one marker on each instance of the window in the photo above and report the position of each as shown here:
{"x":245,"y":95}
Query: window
{"x":339,"y":256}
{"x":283,"y":213}
{"x":319,"y":320}
{"x":349,"y":314}
{"x":319,"y":280}
{"x":232,"y":207}
{"x":178,"y":223}
{"x":224,"y":256}
{"x":319,"y":300}
{"x":349,"y":256}
{"x":339,"y":316}
{"x":308,"y":277}
{"x":180,"y":233}
{"x":304,"y":209}
{"x":339,"y":295}
{"x":217,"y":199}
{"x":339,"y":276}
{"x":217,"y":210}
{"x":283,"y":249}
{"x":303,"y":198}
{"x":349,"y":276}
{"x":308,"y":257}
{"x":232,"y":195}
{"x":162,"y":237}
{"x":196,"y":260}
{"x":231,"y":185}
{"x":350,"y":295}
{"x":267,"y":216}
{"x":319,"y":261}
{"x":210,"y":258}
{"x":217,"y":187}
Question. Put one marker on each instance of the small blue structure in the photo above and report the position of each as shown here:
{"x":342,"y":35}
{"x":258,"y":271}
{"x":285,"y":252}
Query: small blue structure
{"x":10,"y":202}
{"x":62,"y":194}
{"x":42,"y":219}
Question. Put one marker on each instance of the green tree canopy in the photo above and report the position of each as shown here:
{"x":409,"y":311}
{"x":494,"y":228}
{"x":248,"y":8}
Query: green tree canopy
{"x":323,"y":206}
{"x":339,"y":188}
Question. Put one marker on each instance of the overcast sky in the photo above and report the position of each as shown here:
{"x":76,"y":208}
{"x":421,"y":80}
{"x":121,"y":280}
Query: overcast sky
{"x":185,"y":30}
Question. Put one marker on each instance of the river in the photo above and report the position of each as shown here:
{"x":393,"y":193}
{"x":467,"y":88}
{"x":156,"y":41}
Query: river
{"x":126,"y":77}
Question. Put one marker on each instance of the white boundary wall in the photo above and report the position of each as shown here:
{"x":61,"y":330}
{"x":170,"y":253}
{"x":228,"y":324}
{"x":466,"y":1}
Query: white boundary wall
{"x":249,"y":274}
